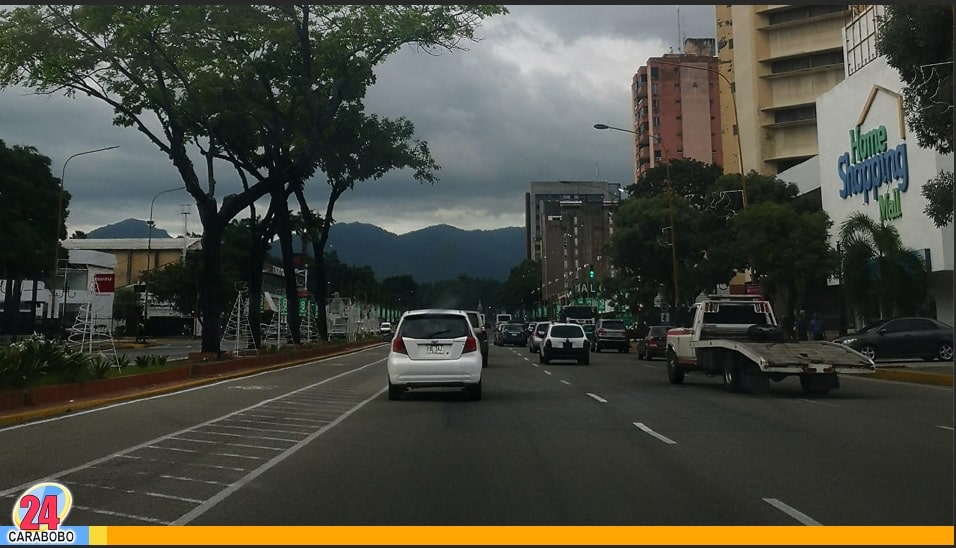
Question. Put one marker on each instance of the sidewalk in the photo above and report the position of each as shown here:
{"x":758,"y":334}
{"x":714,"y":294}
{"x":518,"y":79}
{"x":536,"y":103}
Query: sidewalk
{"x":918,"y":371}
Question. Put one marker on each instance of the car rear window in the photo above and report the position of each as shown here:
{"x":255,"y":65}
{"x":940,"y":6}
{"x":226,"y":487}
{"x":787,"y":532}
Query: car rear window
{"x":658,"y":331}
{"x":567,"y":331}
{"x":434,"y":326}
{"x":513,"y":327}
{"x":613,"y":325}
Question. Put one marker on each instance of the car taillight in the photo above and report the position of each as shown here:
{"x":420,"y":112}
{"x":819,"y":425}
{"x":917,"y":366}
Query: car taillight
{"x":547,"y":342}
{"x":601,"y":331}
{"x":471,"y":344}
{"x":398,"y":345}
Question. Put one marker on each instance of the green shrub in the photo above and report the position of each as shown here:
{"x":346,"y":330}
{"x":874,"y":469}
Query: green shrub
{"x":142,"y":361}
{"x":100,"y":366}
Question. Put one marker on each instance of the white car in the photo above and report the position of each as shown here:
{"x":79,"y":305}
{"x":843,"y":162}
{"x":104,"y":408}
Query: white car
{"x":537,"y":335}
{"x":385,"y":329}
{"x":434,"y":348}
{"x":565,"y":341}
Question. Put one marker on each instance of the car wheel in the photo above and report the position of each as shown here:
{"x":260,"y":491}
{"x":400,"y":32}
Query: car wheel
{"x":484,"y":361}
{"x":675,"y":375}
{"x":733,"y":377}
{"x":543,"y":358}
{"x":394,"y":391}
{"x":474,"y":391}
{"x":869,"y":351}
{"x":945,"y":352}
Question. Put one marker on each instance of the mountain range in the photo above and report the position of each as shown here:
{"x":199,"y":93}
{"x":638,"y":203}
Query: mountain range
{"x":431,"y":254}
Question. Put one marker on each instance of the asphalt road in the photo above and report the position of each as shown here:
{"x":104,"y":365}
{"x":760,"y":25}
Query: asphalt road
{"x":611,"y":443}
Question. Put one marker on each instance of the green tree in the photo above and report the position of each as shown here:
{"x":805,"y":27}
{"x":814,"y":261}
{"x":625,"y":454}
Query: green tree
{"x":881,"y":276}
{"x":786,"y":249}
{"x":938,"y":192}
{"x":28,"y":231}
{"x":518,"y":291}
{"x":256,"y":86}
{"x":126,"y":307}
{"x":917,"y":41}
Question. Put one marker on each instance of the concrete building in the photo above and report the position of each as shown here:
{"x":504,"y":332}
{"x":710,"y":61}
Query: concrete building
{"x":868,"y":103}
{"x":676,"y":108}
{"x":574,"y":236}
{"x":778,"y":59}
{"x":541,"y":192}
{"x":136,"y":255}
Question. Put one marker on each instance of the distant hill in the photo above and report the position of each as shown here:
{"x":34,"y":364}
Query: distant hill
{"x":431,"y":254}
{"x":127,"y":228}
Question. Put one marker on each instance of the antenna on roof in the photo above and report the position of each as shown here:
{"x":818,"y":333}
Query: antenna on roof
{"x":680,"y":37}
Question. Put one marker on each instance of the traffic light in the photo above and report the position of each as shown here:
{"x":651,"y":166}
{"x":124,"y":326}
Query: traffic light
{"x":591,"y":274}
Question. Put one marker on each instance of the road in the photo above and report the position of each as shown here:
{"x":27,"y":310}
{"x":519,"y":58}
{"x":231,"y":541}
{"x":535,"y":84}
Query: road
{"x":611,"y":443}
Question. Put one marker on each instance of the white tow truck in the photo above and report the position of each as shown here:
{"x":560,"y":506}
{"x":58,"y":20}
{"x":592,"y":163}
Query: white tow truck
{"x":738,"y":338}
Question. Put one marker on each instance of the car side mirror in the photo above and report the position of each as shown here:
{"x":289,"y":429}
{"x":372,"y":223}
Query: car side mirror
{"x":882,"y":331}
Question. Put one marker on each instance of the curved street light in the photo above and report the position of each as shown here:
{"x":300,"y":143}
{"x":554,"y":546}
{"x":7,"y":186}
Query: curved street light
{"x":733,"y":102}
{"x":670,"y":201}
{"x":56,"y":230}
{"x":149,"y":255}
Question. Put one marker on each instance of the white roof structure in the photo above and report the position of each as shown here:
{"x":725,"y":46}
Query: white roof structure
{"x":110,"y":244}
{"x":92,"y":258}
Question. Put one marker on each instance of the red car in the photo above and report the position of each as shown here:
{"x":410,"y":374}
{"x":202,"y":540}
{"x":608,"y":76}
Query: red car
{"x":653,"y":344}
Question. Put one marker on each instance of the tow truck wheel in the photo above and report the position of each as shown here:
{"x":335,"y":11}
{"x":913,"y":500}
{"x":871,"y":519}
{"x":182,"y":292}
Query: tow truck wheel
{"x":733,"y":377}
{"x":674,"y":372}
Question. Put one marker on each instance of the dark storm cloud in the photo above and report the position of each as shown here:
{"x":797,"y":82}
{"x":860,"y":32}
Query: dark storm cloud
{"x":517,"y":106}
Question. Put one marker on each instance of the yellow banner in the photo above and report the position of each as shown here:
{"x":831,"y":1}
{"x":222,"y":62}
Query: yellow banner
{"x":527,"y":535}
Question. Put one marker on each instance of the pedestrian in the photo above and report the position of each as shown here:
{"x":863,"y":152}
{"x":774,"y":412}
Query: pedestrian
{"x":802,"y":326}
{"x":787,"y":325}
{"x":816,"y":327}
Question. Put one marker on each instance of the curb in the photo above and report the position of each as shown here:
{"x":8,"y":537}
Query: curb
{"x":920,"y":377}
{"x":67,"y":408}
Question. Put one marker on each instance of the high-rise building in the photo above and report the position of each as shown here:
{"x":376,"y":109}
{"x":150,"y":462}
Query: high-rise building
{"x":778,"y":60}
{"x":541,"y":192}
{"x":676,"y":108}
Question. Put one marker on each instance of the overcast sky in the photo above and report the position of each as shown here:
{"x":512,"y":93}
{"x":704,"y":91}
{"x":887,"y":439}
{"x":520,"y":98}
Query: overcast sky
{"x":517,"y":106}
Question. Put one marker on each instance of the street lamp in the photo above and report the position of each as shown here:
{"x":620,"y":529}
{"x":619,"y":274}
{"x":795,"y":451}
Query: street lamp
{"x":56,"y":230}
{"x":149,"y":255}
{"x":733,"y":102}
{"x":670,"y":201}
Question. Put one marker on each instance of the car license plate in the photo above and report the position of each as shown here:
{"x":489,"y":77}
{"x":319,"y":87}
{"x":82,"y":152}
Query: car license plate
{"x":435,"y":349}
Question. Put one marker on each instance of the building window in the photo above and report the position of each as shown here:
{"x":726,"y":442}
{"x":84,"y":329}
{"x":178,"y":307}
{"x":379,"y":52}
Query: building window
{"x":797,"y":114}
{"x":803,"y":12}
{"x":807,"y":62}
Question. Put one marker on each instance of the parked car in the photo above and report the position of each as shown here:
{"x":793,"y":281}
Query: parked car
{"x":512,"y":334}
{"x":897,"y":338}
{"x":653,"y":344}
{"x":477,"y":320}
{"x":565,"y":341}
{"x":534,"y":341}
{"x":434,"y":348}
{"x":611,"y":333}
{"x":385,"y":329}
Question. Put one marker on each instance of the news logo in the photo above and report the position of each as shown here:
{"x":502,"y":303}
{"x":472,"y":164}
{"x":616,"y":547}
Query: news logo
{"x":38,"y":517}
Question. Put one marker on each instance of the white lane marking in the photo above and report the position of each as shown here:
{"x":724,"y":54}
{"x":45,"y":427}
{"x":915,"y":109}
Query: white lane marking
{"x":202,"y":387}
{"x":565,"y":382}
{"x":238,"y":456}
{"x":233,"y":434}
{"x":546,"y":372}
{"x":534,"y":364}
{"x":661,"y":437}
{"x":817,"y":402}
{"x":242,"y":482}
{"x":950,"y":428}
{"x":133,"y":492}
{"x":598,"y":398}
{"x":121,"y":515}
{"x":792,"y":512}
{"x":194,"y":428}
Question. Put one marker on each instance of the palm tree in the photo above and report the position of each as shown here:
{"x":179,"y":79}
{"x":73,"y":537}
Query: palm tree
{"x":881,"y":277}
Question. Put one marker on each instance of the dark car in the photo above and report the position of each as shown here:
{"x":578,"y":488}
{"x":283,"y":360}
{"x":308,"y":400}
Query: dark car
{"x":896,"y":338}
{"x":512,"y":334}
{"x":481,"y":333}
{"x":610,"y":333}
{"x":653,"y":343}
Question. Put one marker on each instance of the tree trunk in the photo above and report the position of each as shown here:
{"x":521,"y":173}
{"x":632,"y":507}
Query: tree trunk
{"x":284,"y":232}
{"x":257,"y":258}
{"x":210,"y":306}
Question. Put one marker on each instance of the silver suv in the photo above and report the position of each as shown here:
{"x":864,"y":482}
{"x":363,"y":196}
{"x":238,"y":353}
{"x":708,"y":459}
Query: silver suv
{"x":477,"y":320}
{"x":611,"y":333}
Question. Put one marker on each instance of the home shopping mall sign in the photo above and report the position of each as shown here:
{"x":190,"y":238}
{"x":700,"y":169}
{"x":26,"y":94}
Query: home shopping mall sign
{"x":871,"y":163}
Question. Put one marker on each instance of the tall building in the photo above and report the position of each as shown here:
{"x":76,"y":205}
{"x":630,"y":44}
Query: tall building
{"x":884,"y":182}
{"x":676,"y":108}
{"x":778,"y":60}
{"x":574,"y":235}
{"x":541,"y":192}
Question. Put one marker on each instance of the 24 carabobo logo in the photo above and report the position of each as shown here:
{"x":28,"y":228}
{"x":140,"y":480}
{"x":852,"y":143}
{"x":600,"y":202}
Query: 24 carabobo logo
{"x":42,"y":507}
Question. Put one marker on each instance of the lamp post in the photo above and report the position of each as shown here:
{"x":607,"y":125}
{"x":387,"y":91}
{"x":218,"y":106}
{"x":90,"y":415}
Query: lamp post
{"x":56,"y":230}
{"x":670,"y":203}
{"x":149,"y":255}
{"x":733,"y":102}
